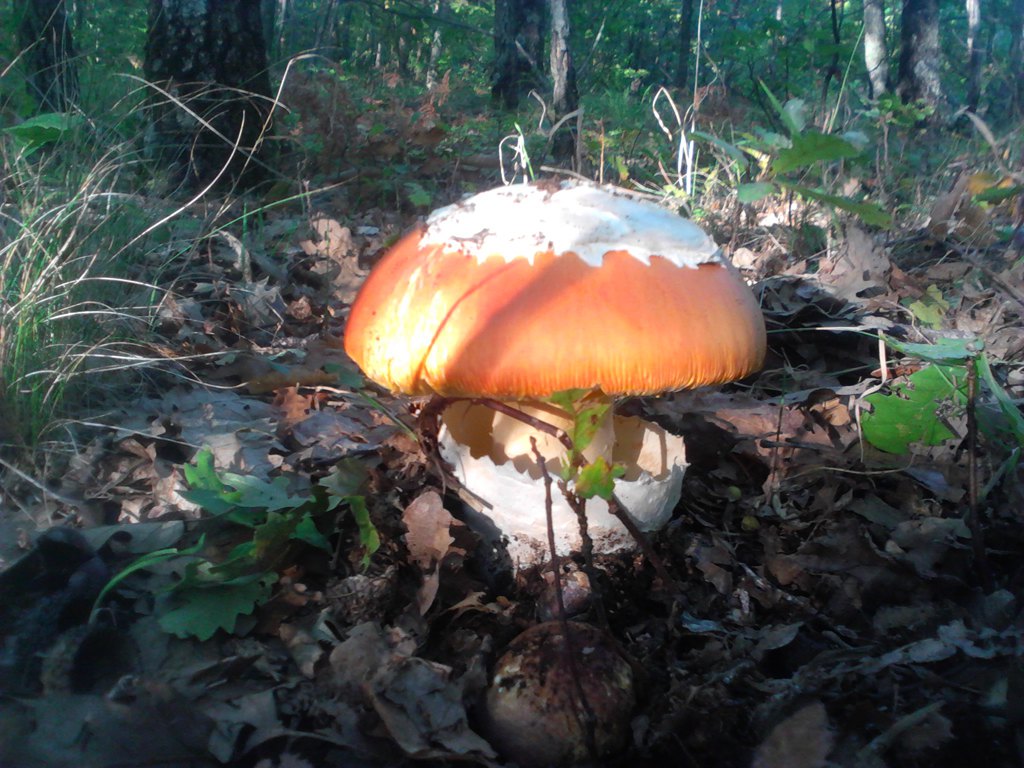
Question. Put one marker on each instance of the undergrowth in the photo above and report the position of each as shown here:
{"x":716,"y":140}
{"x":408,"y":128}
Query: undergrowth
{"x":69,"y":241}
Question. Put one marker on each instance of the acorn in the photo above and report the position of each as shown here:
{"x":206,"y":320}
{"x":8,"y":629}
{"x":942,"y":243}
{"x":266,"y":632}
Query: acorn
{"x":533,"y":715}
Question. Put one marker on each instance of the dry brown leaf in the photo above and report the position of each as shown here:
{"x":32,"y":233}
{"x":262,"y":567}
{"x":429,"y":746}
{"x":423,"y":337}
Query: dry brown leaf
{"x":860,"y":266}
{"x":330,"y":238}
{"x":802,"y":740}
{"x":292,"y":406}
{"x":421,"y":706}
{"x":945,"y":206}
{"x":427,"y":523}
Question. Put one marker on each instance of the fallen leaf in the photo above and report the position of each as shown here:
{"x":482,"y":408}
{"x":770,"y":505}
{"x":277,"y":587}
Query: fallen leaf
{"x":421,"y":706}
{"x":427,"y":523}
{"x":802,"y":740}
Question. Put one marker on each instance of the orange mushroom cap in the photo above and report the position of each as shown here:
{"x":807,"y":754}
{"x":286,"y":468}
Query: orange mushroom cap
{"x":523,"y":291}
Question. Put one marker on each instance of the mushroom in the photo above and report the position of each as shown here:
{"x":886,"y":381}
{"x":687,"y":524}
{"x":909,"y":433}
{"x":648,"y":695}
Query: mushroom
{"x":532,"y":712}
{"x":521,"y":292}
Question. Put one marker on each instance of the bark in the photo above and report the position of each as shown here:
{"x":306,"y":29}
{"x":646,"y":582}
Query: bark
{"x":48,"y":53}
{"x":268,"y":19}
{"x":833,"y":72}
{"x":564,"y":95}
{"x":518,"y":49}
{"x":209,"y":58}
{"x":876,"y":54}
{"x":436,"y":47}
{"x":973,"y":54}
{"x":343,"y":33}
{"x":686,"y":31}
{"x":1017,"y":57}
{"x":920,"y":54}
{"x":326,"y":23}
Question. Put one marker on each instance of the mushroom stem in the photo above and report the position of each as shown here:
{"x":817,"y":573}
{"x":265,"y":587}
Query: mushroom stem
{"x":485,"y":443}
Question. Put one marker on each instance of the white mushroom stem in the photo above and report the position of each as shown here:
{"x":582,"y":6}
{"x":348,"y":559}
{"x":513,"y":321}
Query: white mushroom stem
{"x":490,"y":453}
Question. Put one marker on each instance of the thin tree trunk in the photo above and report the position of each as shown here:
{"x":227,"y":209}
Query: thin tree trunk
{"x":564,"y":95}
{"x":284,"y":15}
{"x":973,"y":54}
{"x":686,"y":10}
{"x":325,"y":24}
{"x":49,"y":54}
{"x":876,"y":54}
{"x":268,"y":20}
{"x":920,"y":54}
{"x":1017,"y":57}
{"x":343,"y":33}
{"x":833,"y":71}
{"x":440,"y":8}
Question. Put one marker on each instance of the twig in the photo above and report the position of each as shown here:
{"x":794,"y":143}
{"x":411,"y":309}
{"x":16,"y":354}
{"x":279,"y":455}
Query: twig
{"x":584,"y":715}
{"x":618,"y":509}
{"x":63,"y":498}
{"x":579,"y":506}
{"x":1010,"y":290}
{"x":973,"y":514}
{"x":429,"y":425}
{"x":542,"y":426}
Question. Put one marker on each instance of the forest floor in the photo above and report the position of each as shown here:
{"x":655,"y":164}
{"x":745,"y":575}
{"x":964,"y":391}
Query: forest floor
{"x":826,"y":602}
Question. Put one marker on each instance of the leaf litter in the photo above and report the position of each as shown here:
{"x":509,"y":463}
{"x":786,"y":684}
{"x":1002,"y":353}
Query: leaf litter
{"x":837,"y":606}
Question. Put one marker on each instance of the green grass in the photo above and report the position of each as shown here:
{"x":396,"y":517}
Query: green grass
{"x":66,"y":239}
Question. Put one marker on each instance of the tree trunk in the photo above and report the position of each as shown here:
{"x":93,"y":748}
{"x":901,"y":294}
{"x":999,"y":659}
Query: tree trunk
{"x":686,"y":10}
{"x":518,"y":47}
{"x":326,"y":23}
{"x":285,"y":11}
{"x":973,"y":54}
{"x":44,"y":37}
{"x":343,"y":34}
{"x":1017,"y":57}
{"x":920,"y":55}
{"x":268,"y":19}
{"x":209,"y":59}
{"x":440,"y":8}
{"x":876,"y":54}
{"x":833,"y":72}
{"x":564,"y":95}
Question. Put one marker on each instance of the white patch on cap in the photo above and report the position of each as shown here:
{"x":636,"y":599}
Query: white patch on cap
{"x":520,"y":221}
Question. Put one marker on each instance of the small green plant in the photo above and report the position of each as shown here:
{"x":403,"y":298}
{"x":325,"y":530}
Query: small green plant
{"x":957,"y":376}
{"x":588,"y":479}
{"x":781,"y":162}
{"x":211,"y":593}
{"x":40,"y":131}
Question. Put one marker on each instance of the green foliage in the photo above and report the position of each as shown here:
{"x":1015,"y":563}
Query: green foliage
{"x":889,"y":109}
{"x":598,"y":479}
{"x":588,"y":479}
{"x":243,"y":499}
{"x":809,"y":148}
{"x":909,"y":414}
{"x":782,"y":162}
{"x":344,"y":484}
{"x":205,"y":603}
{"x":929,"y":309}
{"x":915,"y":412}
{"x":214,"y":592}
{"x":145,"y":562}
{"x":587,"y":416}
{"x":37,"y":132}
{"x":67,"y":242}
